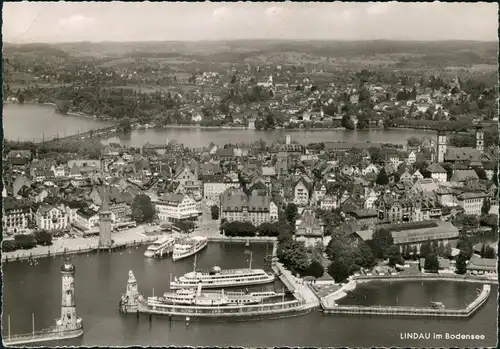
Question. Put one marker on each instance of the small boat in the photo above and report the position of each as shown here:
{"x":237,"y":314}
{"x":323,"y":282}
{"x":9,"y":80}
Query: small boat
{"x":218,"y":278}
{"x":437,"y":305}
{"x":160,"y":247}
{"x":189,"y":247}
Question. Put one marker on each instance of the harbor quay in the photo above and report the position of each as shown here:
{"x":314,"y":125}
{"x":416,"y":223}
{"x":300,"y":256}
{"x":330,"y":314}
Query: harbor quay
{"x":304,"y":300}
{"x":410,"y":311}
{"x":134,"y":302}
{"x":67,"y":246}
{"x":123,"y":239}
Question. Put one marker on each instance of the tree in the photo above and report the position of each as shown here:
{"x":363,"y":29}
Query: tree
{"x":335,"y":249}
{"x":338,"y":270}
{"x":291,"y":213}
{"x":449,"y":170}
{"x":43,"y":238}
{"x":293,"y":255}
{"x":25,"y":241}
{"x":315,"y":269}
{"x":9,"y":246}
{"x":489,"y":252}
{"x":382,"y":178}
{"x":363,"y":122}
{"x":394,"y":255}
{"x":185,"y":226}
{"x":425,"y":249}
{"x":214,"y":211}
{"x":245,"y":229}
{"x":465,"y":247}
{"x":413,"y":141}
{"x":461,"y":264}
{"x":431,"y":263}
{"x":494,"y":179}
{"x":485,"y":209}
{"x":125,"y":125}
{"x":366,"y":258}
{"x":481,"y":173}
{"x":284,"y":237}
{"x":381,"y":241}
{"x":20,"y":98}
{"x":142,"y":209}
{"x":347,"y":122}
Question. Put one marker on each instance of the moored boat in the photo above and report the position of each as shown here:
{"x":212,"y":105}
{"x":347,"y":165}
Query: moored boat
{"x":189,"y":247}
{"x":219,"y":278}
{"x":196,"y":297}
{"x":160,"y":247}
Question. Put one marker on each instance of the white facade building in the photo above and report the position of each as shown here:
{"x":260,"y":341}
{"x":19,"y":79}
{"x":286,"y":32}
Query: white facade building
{"x":49,"y":217}
{"x":176,"y":207}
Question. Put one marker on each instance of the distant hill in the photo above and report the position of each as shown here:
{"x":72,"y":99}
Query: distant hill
{"x":381,"y":52}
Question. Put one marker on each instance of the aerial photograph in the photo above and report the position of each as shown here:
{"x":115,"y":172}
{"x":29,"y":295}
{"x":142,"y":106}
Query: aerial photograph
{"x":275,"y":174}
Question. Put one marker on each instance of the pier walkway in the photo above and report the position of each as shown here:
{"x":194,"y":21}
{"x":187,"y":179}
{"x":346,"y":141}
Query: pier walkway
{"x":300,"y":289}
{"x":40,"y":336}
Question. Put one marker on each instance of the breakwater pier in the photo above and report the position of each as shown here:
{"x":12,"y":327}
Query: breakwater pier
{"x":330,"y":307}
{"x":67,"y":326}
{"x":134,"y":302}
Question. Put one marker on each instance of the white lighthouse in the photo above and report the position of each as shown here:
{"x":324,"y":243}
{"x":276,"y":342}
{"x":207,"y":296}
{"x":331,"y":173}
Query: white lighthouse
{"x":68,"y":320}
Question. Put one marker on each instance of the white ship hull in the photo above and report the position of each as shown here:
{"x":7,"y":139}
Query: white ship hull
{"x":161,"y":250}
{"x":197,"y":248}
{"x":175,"y":285}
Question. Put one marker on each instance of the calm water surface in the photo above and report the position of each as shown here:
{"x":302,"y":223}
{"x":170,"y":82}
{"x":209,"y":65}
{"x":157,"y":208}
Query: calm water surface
{"x":101,"y":279}
{"x":33,"y":122}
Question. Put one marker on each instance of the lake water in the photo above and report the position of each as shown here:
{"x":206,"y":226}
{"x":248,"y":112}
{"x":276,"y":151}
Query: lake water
{"x":35,"y":122}
{"x":32,"y":122}
{"x":101,"y":279}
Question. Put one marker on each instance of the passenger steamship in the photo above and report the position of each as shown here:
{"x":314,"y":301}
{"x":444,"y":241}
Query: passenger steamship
{"x":219,"y":278}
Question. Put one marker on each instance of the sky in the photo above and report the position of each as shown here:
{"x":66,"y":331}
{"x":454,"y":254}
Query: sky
{"x":52,"y":22}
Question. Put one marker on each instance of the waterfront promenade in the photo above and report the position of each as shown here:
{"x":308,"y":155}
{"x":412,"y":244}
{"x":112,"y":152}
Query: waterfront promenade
{"x":130,"y":237}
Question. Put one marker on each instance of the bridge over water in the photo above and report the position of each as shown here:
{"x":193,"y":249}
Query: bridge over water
{"x":102,"y":132}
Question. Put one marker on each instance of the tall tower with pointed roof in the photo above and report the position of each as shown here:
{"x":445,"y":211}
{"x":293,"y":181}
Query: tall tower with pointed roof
{"x":479,"y":139}
{"x":104,"y":221}
{"x":441,"y":146}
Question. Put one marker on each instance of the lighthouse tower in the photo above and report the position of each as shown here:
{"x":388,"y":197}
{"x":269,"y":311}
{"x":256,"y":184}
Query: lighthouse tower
{"x":104,"y":222}
{"x":68,"y":320}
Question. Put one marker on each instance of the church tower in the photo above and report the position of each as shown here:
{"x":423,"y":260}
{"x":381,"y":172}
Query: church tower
{"x":104,"y":222}
{"x":441,"y":146}
{"x":68,"y":320}
{"x":479,"y":139}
